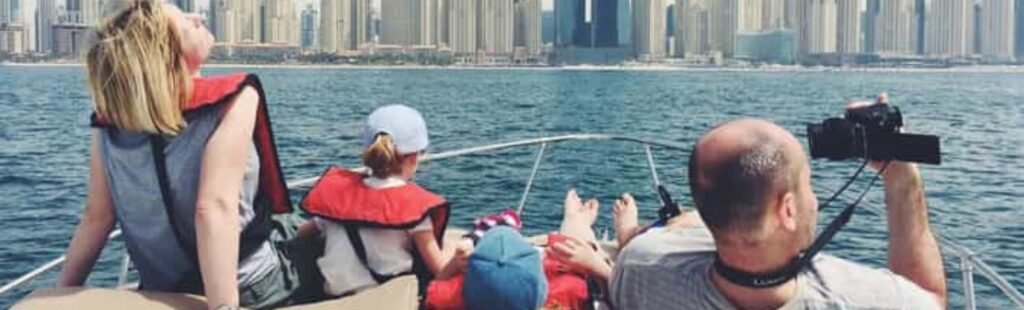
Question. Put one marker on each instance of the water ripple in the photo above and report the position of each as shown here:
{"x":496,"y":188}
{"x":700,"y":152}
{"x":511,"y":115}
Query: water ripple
{"x":974,"y":196}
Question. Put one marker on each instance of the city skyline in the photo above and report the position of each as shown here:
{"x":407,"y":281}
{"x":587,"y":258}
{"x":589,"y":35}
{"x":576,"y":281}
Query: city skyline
{"x":567,"y":31}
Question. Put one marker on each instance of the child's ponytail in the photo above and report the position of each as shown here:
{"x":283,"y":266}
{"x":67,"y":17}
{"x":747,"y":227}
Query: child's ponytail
{"x":382,"y":157}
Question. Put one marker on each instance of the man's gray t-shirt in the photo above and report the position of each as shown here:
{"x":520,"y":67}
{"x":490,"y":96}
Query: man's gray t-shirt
{"x":670,"y":269}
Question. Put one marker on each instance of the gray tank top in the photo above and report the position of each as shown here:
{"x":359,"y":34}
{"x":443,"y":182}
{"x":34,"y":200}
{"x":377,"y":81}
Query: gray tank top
{"x":135,"y":192}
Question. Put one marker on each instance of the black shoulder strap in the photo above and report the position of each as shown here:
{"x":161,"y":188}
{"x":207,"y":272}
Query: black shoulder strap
{"x":159,"y":146}
{"x":360,"y":249}
{"x":192,"y":282}
{"x":253,"y":235}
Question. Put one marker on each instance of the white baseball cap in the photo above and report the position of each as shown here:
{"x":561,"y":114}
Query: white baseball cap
{"x":404,"y":124}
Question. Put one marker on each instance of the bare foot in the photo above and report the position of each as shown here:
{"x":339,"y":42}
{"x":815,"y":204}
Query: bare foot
{"x":579,"y":217}
{"x":625,"y":216}
{"x":579,"y":212}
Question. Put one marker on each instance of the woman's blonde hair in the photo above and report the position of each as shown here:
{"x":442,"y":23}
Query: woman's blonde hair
{"x":382,"y":157}
{"x":137,"y":69}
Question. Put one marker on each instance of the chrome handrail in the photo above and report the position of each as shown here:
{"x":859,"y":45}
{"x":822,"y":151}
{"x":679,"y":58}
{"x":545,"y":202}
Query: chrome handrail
{"x":964,"y":256}
{"x":29,"y":276}
{"x":969,"y":261}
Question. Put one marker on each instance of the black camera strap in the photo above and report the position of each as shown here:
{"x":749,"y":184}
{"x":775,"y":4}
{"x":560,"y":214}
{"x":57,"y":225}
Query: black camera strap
{"x":795,"y":266}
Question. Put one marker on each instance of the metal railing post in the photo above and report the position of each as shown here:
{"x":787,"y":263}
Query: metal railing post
{"x":44,"y":268}
{"x":650,"y":164}
{"x":967,"y":272}
{"x":533,"y":175}
{"x":126,"y":263}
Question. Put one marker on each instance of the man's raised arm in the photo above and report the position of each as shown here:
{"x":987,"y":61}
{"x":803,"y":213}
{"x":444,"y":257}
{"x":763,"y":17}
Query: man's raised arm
{"x":913,"y":251}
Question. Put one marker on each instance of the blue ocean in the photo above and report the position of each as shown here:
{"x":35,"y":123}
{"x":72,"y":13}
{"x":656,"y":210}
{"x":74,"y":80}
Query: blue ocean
{"x":974,"y":196}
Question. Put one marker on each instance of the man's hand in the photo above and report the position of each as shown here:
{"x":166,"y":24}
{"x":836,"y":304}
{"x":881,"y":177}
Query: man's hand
{"x":913,"y":251}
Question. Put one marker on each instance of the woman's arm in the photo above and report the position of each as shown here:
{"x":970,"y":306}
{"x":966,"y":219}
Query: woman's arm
{"x":96,"y":223}
{"x":217,"y":217}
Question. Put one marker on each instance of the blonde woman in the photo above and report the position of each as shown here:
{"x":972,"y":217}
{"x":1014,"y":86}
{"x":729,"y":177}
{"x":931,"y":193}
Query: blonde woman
{"x":185,"y":165}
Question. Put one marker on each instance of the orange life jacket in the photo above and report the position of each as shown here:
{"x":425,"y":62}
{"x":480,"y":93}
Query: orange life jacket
{"x":341,"y":196}
{"x":567,"y":289}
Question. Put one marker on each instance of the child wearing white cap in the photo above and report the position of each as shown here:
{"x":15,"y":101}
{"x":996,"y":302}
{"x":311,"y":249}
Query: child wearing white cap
{"x":376,"y":225}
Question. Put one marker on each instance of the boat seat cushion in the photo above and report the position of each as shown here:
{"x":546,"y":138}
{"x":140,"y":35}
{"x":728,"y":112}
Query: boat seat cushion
{"x":399,"y":293}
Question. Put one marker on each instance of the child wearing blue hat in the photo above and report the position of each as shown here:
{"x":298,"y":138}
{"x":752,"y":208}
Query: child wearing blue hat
{"x":380,"y":224}
{"x":507,"y":272}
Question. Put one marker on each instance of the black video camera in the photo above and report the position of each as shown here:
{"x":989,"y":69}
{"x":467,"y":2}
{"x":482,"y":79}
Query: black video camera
{"x":871,"y":132}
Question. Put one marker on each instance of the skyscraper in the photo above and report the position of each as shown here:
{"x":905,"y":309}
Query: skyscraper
{"x":462,"y":26}
{"x":893,"y":27}
{"x":28,"y":20}
{"x":80,"y":12}
{"x":443,"y":20}
{"x":496,"y":24}
{"x":625,"y":22}
{"x":280,"y":23}
{"x":310,"y":26}
{"x":604,"y":23}
{"x":211,"y":19}
{"x":997,"y":23}
{"x":773,"y":14}
{"x":425,"y":22}
{"x":570,"y":23}
{"x":528,"y":25}
{"x":408,"y":22}
{"x":869,"y":25}
{"x":691,"y":27}
{"x":359,"y":23}
{"x":12,"y":34}
{"x":5,"y":10}
{"x":248,"y":24}
{"x":818,"y":28}
{"x":722,"y":26}
{"x":975,"y":29}
{"x":186,"y":5}
{"x":848,"y":26}
{"x":45,"y":18}
{"x":1019,"y":27}
{"x":335,"y":26}
{"x":224,"y":27}
{"x":948,"y":30}
{"x":649,"y":29}
{"x":749,"y":15}
{"x":396,"y":22}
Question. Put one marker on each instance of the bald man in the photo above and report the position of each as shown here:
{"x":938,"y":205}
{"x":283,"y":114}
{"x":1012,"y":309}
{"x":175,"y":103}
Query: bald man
{"x":750,"y":181}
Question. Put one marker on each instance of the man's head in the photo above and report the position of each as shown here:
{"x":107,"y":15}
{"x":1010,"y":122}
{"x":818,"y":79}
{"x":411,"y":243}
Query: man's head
{"x":750,"y":180}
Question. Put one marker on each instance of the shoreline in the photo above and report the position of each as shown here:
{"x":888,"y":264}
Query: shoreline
{"x":655,"y":68}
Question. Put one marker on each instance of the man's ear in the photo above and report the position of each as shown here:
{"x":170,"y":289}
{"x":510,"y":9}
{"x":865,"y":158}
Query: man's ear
{"x":785,"y":207}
